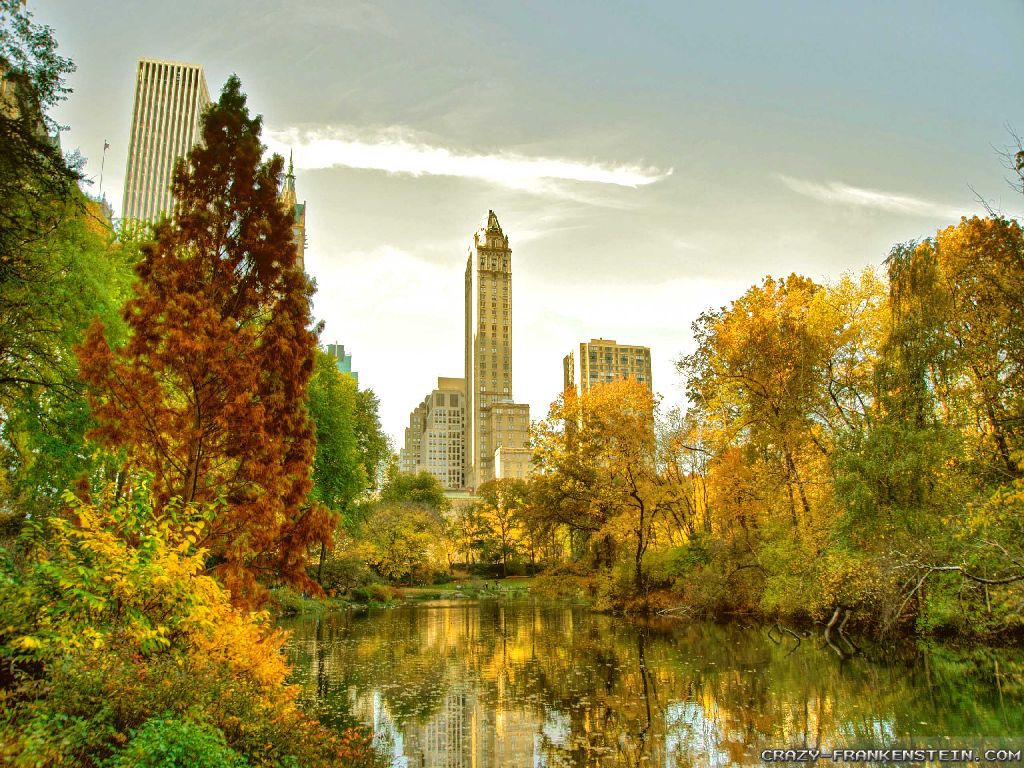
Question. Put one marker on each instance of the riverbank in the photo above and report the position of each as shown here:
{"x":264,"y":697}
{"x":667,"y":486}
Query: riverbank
{"x":286,"y":602}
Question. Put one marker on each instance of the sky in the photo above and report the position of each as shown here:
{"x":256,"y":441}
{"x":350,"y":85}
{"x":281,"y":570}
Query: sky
{"x":648,"y":160}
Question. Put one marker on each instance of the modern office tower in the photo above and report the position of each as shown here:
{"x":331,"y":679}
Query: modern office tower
{"x":488,"y":351}
{"x":298,"y":209}
{"x":435,"y":437}
{"x":342,"y":361}
{"x":169,"y":100}
{"x":603,"y":360}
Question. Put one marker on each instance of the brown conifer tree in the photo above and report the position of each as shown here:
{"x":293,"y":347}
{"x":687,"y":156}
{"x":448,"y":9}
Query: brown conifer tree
{"x":209,"y":393}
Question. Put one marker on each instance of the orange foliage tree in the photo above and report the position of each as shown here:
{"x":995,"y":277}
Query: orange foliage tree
{"x":209,"y":393}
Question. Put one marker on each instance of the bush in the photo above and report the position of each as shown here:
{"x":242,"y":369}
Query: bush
{"x":285,"y":601}
{"x":342,"y":574}
{"x":173,"y":743}
{"x":381,"y":593}
{"x":360,"y":595}
{"x":111,"y":623}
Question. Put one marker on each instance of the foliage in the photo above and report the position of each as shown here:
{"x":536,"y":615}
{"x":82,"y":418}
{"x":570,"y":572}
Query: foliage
{"x":209,"y":392}
{"x":339,"y":476}
{"x":111,"y":621}
{"x":851,"y":450}
{"x":403,"y":542}
{"x":37,"y":184}
{"x":42,"y":438}
{"x":371,"y":442}
{"x":173,"y":743}
{"x":604,"y":477}
{"x":422,"y":489}
{"x":501,"y":514}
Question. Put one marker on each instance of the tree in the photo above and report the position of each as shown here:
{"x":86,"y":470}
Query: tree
{"x":599,"y":453}
{"x":42,"y":436}
{"x":503,"y":502}
{"x":405,"y":541}
{"x":37,"y":184}
{"x":421,"y":489}
{"x":41,"y":211}
{"x":339,"y":474}
{"x":209,"y":394}
{"x":371,"y":442}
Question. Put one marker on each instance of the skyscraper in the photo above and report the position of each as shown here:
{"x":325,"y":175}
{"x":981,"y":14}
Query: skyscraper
{"x":169,"y":100}
{"x":603,"y":360}
{"x":488,"y":351}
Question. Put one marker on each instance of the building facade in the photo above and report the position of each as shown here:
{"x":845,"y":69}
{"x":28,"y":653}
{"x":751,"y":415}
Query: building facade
{"x":604,"y":360}
{"x":169,"y":100}
{"x":488,"y":346}
{"x":443,"y":447}
{"x":512,"y":463}
{"x":435,"y":437}
{"x":409,"y":454}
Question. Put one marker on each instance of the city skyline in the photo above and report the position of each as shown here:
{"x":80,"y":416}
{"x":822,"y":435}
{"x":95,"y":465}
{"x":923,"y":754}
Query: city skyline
{"x":716,"y":147}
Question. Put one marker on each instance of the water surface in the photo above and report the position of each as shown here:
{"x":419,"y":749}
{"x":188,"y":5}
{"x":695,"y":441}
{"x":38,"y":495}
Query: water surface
{"x":465,"y":683}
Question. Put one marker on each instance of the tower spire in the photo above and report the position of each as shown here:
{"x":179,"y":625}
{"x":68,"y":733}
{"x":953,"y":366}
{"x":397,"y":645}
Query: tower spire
{"x":492,"y":222}
{"x":288,"y":188}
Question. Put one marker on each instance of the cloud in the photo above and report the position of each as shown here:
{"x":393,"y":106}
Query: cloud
{"x":395,"y":151}
{"x":837,"y":193}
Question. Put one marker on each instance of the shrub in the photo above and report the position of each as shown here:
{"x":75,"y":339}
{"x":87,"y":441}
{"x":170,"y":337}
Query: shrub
{"x":381,"y":593}
{"x":173,"y":743}
{"x":342,"y":574}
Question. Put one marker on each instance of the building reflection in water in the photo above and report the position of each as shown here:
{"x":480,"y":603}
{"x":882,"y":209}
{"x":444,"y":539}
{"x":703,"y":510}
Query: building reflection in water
{"x":474,"y":685}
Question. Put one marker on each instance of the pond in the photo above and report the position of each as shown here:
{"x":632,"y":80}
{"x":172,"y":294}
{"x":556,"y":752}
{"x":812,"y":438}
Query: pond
{"x":522,"y":683}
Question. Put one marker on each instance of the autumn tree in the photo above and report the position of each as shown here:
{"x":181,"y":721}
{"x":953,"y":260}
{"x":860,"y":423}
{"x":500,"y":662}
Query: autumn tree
{"x":208,"y":395}
{"x":598,"y":456}
{"x":503,"y":502}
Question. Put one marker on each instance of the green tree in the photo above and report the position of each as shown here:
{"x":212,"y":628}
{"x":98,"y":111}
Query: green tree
{"x":372,"y":444}
{"x":339,"y":474}
{"x":421,"y":489}
{"x":37,"y":184}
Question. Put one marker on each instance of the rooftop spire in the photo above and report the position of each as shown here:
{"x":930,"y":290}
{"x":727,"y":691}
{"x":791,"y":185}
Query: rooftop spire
{"x":288,"y":188}
{"x":492,"y":222}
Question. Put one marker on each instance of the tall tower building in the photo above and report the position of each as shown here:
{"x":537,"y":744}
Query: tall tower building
{"x":169,"y":100}
{"x":298,"y":210}
{"x":603,"y":360}
{"x":488,"y":352}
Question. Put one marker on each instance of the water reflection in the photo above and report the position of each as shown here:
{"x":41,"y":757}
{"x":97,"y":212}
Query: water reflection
{"x":524,"y":684}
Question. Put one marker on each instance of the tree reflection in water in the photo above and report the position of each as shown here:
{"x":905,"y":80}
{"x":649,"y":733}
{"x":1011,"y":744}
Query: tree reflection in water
{"x":525,"y":684}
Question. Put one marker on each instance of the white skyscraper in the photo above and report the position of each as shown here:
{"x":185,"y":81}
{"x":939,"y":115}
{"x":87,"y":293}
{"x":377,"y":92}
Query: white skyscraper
{"x":169,"y":100}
